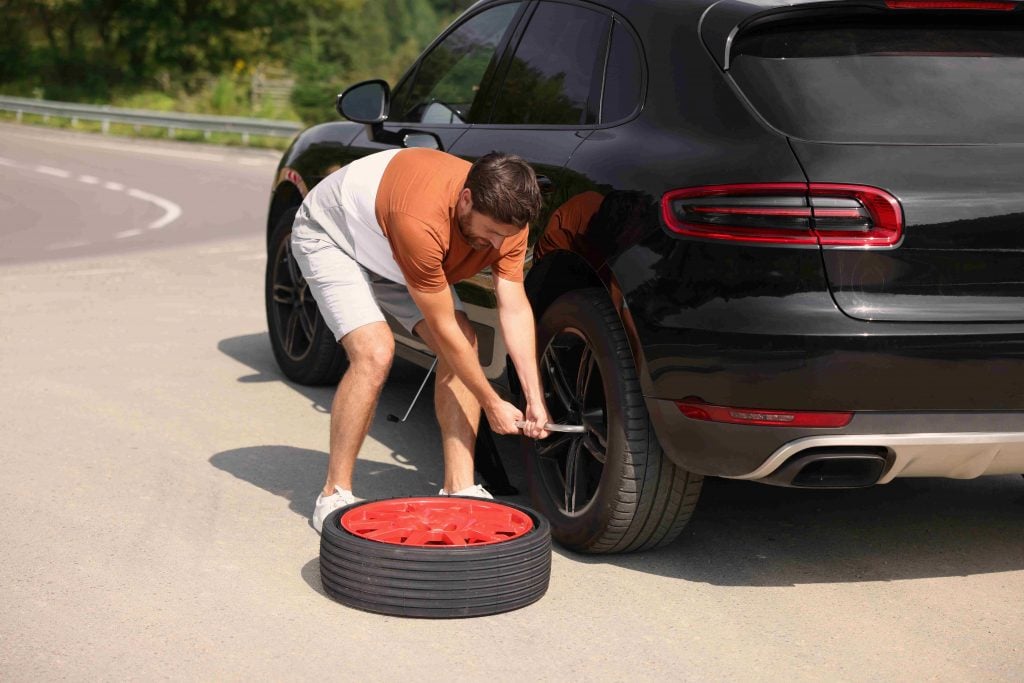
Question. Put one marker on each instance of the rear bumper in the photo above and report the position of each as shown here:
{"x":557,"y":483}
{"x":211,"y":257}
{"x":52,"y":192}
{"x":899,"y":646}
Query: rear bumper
{"x":960,"y":445}
{"x":963,"y":455}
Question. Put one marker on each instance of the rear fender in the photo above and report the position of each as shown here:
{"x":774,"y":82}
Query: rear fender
{"x":562,"y":272}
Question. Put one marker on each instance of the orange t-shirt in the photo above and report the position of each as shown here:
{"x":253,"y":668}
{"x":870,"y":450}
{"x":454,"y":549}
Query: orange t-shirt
{"x":567,"y":223}
{"x":415,"y":209}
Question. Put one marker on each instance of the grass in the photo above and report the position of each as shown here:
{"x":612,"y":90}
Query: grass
{"x":151,"y":132}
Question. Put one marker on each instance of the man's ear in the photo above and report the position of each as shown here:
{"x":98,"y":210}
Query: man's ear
{"x":466,"y":199}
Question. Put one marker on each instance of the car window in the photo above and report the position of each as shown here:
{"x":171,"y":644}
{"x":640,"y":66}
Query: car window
{"x":622,"y":77}
{"x":911,"y":78}
{"x":449,"y":77}
{"x":557,"y":61}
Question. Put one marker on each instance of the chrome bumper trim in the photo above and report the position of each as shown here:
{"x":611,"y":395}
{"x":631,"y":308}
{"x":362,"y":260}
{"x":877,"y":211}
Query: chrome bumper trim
{"x":961,"y":455}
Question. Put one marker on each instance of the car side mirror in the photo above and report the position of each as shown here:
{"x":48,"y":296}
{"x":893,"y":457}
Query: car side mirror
{"x":367,"y":102}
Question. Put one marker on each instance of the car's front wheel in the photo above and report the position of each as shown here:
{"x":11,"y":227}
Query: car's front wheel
{"x":610,"y":489}
{"x":304,"y":347}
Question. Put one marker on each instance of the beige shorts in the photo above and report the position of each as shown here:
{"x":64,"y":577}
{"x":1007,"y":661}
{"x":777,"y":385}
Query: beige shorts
{"x":348,"y":295}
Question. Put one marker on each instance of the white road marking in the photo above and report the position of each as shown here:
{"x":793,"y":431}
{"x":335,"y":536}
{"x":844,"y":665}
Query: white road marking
{"x":172,"y":210}
{"x":74,"y":244}
{"x":50,"y":170}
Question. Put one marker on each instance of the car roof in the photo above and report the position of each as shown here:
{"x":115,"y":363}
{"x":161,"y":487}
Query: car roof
{"x":718,"y":20}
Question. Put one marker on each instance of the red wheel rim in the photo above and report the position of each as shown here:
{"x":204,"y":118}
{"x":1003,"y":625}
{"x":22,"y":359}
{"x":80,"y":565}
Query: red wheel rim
{"x":436,"y":522}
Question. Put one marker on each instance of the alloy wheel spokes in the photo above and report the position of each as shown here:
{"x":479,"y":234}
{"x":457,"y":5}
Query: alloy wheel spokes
{"x":595,"y":440}
{"x":555,"y":444}
{"x":308,"y":321}
{"x":290,"y":330}
{"x":562,"y":387}
{"x":283,"y":294}
{"x":586,"y":371}
{"x":296,"y":311}
{"x":293,"y":267}
{"x":572,"y":477}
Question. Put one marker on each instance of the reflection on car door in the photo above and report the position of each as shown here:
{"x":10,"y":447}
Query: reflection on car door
{"x":543,"y":104}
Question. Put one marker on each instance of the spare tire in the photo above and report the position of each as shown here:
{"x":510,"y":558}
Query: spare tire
{"x":435,"y":557}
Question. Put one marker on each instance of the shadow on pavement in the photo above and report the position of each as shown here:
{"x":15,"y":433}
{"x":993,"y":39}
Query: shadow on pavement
{"x":747,"y":534}
{"x":742,"y":534}
{"x":414,"y":446}
{"x":254,"y":351}
{"x":296,"y":474}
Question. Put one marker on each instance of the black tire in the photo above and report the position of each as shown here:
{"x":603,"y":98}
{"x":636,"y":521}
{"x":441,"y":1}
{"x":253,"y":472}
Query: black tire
{"x":612,"y":489}
{"x":435,"y":582}
{"x":304,"y":346}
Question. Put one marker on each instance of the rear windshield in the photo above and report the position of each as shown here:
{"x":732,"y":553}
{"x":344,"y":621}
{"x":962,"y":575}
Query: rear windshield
{"x":896,"y":78}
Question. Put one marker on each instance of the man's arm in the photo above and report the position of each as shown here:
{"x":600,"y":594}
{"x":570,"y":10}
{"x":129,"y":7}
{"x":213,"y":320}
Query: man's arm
{"x":515,"y":315}
{"x":439,"y":314}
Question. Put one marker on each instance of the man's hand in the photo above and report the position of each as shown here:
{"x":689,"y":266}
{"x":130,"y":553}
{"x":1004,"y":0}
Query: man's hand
{"x":536,"y":417}
{"x":502,"y":416}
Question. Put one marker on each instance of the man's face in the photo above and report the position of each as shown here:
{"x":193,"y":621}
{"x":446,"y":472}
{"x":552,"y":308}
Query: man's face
{"x":481,"y":231}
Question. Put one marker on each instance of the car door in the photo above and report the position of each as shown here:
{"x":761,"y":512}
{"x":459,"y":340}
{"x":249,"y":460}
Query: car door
{"x":542,"y":103}
{"x":441,"y":93}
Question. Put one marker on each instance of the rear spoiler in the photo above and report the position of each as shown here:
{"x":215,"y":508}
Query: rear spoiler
{"x":725,"y":19}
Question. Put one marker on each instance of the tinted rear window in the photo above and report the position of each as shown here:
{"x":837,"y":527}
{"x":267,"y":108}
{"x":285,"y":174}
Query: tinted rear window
{"x":905,"y":78}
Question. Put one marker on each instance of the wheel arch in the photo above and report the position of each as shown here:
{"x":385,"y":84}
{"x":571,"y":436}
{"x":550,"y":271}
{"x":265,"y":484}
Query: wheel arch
{"x":561,"y":272}
{"x":287,"y":194}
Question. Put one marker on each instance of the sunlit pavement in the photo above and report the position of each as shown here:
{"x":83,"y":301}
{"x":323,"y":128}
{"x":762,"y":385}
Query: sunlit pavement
{"x":159,"y":474}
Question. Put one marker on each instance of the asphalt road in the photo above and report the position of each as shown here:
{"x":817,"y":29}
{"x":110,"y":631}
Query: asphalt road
{"x":158,"y":474}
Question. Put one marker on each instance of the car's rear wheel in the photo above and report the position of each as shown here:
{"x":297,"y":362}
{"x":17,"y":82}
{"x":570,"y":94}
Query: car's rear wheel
{"x":610,"y":489}
{"x":304,"y":346}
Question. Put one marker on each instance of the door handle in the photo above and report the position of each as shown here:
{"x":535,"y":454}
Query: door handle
{"x":546,"y":185}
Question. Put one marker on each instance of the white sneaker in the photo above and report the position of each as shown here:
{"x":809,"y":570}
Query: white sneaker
{"x":474,"y":491}
{"x":325,"y":505}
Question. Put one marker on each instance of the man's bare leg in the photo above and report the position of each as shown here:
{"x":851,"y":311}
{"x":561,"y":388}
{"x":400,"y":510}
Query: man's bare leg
{"x":458,"y":412}
{"x":370,"y":350}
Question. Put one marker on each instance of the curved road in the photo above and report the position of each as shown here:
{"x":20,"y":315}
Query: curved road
{"x":158,"y":476}
{"x":64,"y":194}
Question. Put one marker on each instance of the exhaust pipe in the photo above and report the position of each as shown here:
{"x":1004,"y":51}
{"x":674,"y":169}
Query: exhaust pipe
{"x":845,"y":467}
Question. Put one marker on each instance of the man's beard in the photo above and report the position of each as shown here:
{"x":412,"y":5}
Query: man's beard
{"x":462,"y":219}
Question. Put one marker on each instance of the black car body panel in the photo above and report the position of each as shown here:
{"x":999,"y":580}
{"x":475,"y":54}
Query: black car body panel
{"x":962,"y":255}
{"x":922,"y":335}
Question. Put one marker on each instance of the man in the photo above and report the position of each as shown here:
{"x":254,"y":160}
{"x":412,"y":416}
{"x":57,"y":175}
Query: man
{"x":394,"y":231}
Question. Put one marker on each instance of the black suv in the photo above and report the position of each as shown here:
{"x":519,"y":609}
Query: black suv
{"x":781,"y":242}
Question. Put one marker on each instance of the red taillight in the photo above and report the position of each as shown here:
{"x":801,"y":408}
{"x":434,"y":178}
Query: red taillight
{"x":695,"y":409}
{"x":828,"y":214}
{"x":951,"y":4}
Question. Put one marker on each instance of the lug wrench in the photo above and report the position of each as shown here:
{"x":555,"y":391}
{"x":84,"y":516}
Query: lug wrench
{"x":567,"y":429}
{"x":394,"y":418}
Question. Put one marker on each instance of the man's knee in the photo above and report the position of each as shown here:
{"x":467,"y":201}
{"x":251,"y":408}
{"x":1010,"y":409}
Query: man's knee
{"x":370,"y":351}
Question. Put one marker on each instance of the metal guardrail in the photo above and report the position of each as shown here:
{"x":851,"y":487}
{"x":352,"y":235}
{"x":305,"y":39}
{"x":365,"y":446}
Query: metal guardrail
{"x":172,"y":121}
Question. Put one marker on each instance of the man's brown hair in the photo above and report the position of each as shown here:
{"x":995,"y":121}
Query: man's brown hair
{"x":504,"y":188}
